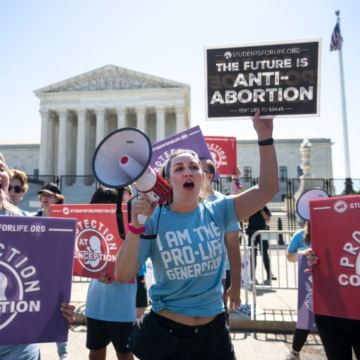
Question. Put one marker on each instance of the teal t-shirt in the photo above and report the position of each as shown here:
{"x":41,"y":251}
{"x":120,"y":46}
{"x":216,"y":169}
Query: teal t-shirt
{"x":111,"y":302}
{"x":236,"y":227}
{"x":188,"y":258}
{"x":297,"y":242}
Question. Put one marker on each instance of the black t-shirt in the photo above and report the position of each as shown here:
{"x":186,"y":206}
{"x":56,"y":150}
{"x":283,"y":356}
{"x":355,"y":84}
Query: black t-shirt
{"x":256,"y":221}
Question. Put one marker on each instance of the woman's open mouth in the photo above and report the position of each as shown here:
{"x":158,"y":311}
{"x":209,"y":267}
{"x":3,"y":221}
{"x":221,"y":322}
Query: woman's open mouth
{"x":189,"y":185}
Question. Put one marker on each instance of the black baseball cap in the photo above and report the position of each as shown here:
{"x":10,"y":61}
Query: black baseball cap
{"x":50,"y":188}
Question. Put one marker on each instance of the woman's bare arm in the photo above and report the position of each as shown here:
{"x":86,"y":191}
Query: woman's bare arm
{"x":292,"y":256}
{"x":250,"y":201}
{"x":127,"y":265}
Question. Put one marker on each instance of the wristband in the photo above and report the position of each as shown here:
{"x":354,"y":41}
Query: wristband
{"x":266,"y":142}
{"x":135,"y":230}
{"x":237,"y":183}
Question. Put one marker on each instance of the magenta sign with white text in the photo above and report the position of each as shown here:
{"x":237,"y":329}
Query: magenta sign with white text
{"x":36,"y":264}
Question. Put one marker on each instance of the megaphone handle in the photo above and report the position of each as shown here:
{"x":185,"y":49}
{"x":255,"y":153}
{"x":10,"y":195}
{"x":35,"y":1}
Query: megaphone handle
{"x":152,"y":197}
{"x":142,"y":219}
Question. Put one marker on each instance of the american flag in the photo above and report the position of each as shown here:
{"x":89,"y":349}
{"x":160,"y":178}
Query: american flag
{"x":336,"y":39}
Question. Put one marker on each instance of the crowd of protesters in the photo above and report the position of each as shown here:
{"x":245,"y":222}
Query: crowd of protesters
{"x":189,"y":308}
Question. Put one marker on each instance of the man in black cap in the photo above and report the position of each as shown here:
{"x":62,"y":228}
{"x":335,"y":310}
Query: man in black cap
{"x":50,"y":194}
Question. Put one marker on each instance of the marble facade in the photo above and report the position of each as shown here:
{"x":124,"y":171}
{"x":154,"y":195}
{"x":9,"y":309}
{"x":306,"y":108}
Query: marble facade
{"x":25,"y":155}
{"x":77,"y":113}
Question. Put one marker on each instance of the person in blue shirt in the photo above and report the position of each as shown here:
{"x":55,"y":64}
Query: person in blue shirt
{"x":298,"y":244}
{"x":110,"y":306}
{"x":21,"y":351}
{"x":187,"y":320}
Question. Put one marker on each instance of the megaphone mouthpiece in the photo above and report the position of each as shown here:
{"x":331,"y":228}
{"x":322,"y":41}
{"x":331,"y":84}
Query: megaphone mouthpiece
{"x":124,"y":160}
{"x":130,"y":166}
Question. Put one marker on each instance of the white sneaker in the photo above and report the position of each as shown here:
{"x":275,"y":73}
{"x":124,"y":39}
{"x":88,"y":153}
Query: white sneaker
{"x":64,"y":357}
{"x":292,"y":356}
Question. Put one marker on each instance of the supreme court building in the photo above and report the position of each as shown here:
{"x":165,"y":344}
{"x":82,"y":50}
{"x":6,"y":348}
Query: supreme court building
{"x":77,"y":113}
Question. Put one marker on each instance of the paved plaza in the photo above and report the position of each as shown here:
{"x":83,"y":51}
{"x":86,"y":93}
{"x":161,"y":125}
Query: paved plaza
{"x":280,"y":305}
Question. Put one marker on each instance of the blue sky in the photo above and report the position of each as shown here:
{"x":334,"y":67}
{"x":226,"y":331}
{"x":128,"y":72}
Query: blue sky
{"x":43,"y":42}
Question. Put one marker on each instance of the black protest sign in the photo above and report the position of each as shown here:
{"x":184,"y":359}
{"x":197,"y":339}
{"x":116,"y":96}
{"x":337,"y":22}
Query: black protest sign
{"x":280,"y":78}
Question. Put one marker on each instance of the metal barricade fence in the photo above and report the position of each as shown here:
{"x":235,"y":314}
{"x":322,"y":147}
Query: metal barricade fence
{"x":78,"y":279}
{"x":281,"y":261}
{"x":246,"y":249}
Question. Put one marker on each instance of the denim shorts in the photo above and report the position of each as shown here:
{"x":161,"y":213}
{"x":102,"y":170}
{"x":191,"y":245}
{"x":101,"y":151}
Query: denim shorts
{"x":157,"y":338}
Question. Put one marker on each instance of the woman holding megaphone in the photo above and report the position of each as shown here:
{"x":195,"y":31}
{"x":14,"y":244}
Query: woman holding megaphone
{"x":187,"y":319}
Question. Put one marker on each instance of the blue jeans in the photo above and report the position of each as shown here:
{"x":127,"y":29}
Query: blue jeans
{"x":20,"y":352}
{"x":62,"y":348}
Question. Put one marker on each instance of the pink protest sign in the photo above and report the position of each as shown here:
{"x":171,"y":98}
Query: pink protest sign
{"x":335,"y":238}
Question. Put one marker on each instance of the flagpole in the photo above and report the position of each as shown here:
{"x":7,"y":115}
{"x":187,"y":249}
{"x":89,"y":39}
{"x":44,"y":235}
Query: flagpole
{"x":348,"y":182}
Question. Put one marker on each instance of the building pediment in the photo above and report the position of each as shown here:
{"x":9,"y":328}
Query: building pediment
{"x":107,"y":78}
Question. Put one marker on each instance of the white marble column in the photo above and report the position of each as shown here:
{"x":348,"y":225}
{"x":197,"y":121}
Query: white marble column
{"x":51,"y":167}
{"x":61,"y":168}
{"x":80,"y":146}
{"x":160,"y":123}
{"x":121,"y":117}
{"x":100,"y":125}
{"x":140,"y":117}
{"x":180,"y":119}
{"x":43,"y":157}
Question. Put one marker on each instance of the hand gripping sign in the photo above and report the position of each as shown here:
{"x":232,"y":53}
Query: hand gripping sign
{"x":97,"y":237}
{"x":223,"y":152}
{"x":36,"y":261}
{"x":335,"y":237}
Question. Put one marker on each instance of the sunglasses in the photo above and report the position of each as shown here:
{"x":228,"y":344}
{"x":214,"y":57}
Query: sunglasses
{"x":16,"y":188}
